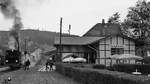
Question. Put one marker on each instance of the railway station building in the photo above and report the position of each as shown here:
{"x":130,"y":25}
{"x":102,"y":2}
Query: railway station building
{"x":98,"y":44}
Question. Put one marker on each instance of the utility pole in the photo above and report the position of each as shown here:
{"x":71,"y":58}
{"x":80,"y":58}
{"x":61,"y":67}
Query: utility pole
{"x":69,"y":29}
{"x":25,"y":44}
{"x":60,"y":37}
{"x":18,"y":40}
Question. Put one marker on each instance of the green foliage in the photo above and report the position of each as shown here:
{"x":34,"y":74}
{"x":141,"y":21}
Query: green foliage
{"x":99,"y":76}
{"x":146,"y":60}
{"x":114,"y":18}
{"x":138,"y":19}
{"x":129,"y":68}
{"x":99,"y":66}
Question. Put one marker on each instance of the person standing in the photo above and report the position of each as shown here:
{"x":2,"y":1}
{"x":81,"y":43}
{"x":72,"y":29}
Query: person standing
{"x":27,"y":64}
{"x":49,"y":64}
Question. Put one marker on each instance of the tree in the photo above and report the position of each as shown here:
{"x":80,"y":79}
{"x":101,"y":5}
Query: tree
{"x":114,"y":18}
{"x":138,"y":19}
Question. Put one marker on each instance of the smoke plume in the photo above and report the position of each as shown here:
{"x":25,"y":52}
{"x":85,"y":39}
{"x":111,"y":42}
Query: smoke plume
{"x":9,"y":10}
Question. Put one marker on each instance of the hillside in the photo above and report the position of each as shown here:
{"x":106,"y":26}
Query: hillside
{"x":34,"y":37}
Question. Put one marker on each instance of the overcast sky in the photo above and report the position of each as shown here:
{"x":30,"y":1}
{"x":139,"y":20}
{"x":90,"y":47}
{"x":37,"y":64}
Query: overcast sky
{"x":81,"y":14}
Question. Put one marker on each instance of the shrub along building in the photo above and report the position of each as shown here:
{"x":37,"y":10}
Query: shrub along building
{"x":98,"y":44}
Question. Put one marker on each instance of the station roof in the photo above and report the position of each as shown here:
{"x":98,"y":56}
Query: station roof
{"x":106,"y":29}
{"x":76,"y":40}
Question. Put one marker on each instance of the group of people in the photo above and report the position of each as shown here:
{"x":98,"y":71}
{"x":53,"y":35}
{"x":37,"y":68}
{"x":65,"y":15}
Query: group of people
{"x":49,"y":65}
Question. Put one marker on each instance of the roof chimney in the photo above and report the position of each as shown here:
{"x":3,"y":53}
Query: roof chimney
{"x":103,"y":21}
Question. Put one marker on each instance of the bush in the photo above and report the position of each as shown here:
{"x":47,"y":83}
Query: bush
{"x":100,"y":76}
{"x":110,"y":68}
{"x":145,"y":68}
{"x":129,"y":68}
{"x":99,"y":66}
{"x":146,"y":60}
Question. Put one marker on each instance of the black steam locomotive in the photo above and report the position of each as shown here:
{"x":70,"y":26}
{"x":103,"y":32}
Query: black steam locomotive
{"x":12,"y":58}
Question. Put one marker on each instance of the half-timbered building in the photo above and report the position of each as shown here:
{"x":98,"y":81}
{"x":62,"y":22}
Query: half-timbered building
{"x":98,"y":44}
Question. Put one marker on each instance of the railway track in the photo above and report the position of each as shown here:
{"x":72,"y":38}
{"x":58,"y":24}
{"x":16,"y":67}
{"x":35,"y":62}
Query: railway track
{"x":6,"y":69}
{"x":2,"y":69}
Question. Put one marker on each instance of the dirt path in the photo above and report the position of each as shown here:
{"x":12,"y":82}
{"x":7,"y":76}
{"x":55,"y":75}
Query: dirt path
{"x":33,"y":76}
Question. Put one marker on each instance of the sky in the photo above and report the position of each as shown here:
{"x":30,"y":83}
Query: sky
{"x":81,"y":14}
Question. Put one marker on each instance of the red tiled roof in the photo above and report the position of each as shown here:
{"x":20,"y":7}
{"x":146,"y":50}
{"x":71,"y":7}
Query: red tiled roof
{"x":76,"y":40}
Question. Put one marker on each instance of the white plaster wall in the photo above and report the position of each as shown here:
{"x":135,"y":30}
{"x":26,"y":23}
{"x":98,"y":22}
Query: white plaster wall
{"x":112,"y":42}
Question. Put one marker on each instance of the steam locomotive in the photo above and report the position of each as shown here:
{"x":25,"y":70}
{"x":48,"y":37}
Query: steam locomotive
{"x":12,"y":58}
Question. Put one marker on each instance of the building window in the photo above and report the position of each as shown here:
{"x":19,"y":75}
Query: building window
{"x":117,"y":51}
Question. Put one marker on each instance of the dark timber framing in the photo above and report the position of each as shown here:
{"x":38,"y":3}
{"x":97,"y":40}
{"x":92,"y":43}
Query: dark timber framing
{"x":123,"y":43}
{"x":105,"y":50}
{"x":129,"y":46}
{"x":98,"y":55}
{"x":117,"y":39}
